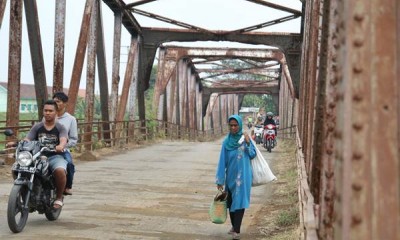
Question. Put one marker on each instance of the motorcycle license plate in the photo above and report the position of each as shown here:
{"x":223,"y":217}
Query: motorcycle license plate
{"x":26,"y":169}
{"x":270,"y":132}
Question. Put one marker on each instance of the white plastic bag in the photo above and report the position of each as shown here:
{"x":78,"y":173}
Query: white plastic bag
{"x":262,"y":174}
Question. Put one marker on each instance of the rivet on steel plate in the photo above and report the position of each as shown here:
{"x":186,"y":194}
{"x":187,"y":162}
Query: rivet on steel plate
{"x":329,"y":174}
{"x":357,"y":97}
{"x":358,"y":17}
{"x":332,"y":105}
{"x":338,"y":135}
{"x":357,"y":126}
{"x":357,"y":156}
{"x":328,"y":196}
{"x":356,"y":187}
{"x":329,"y":151}
{"x":355,"y":220}
{"x":357,"y":68}
{"x":358,"y":42}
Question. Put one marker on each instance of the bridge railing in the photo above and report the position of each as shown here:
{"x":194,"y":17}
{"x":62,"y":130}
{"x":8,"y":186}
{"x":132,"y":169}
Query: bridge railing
{"x":99,"y":134}
{"x":308,"y":223}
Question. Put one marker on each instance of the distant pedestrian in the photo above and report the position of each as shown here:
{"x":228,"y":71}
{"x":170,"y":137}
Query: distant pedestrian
{"x":234,"y":172}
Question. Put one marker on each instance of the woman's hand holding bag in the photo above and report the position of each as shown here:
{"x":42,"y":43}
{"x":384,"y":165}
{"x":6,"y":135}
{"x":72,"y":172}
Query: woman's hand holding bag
{"x":218,"y":208}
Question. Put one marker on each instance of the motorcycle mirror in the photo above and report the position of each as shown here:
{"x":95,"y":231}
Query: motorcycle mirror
{"x":8,"y":132}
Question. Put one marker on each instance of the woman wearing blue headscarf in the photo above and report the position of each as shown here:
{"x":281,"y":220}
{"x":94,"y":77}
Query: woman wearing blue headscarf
{"x":234,"y":171}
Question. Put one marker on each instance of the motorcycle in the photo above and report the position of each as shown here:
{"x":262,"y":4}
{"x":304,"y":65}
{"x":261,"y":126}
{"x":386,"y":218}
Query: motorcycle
{"x":269,"y":136}
{"x":34,"y":186}
{"x":258,"y":132}
{"x":249,"y":125}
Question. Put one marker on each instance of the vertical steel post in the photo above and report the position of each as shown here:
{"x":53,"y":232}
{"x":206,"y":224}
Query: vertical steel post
{"x":102,"y":72}
{"x":127,"y":80}
{"x":59,"y":41}
{"x":115,"y":66}
{"x":90,"y":77}
{"x":14,"y":64}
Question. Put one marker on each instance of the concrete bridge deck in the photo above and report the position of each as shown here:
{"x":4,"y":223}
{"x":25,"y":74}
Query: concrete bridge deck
{"x":160,"y":191}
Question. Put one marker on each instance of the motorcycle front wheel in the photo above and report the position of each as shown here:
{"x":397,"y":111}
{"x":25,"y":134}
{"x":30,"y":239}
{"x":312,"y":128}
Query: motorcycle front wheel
{"x":269,"y":145}
{"x":52,"y":214}
{"x":17,"y":215}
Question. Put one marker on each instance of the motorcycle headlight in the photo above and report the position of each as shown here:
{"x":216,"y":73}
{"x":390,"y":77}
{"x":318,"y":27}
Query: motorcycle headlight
{"x":24,"y":159}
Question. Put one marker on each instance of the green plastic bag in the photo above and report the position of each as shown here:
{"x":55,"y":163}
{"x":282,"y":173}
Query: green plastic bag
{"x":218,"y":208}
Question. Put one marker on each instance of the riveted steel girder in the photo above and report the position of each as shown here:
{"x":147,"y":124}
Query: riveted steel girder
{"x":79,"y":56}
{"x":35,"y":44}
{"x":130,"y":23}
{"x":59,"y":42}
{"x":14,"y":63}
{"x":170,"y":55}
{"x":290,"y":44}
{"x":241,"y":86}
{"x":115,"y":65}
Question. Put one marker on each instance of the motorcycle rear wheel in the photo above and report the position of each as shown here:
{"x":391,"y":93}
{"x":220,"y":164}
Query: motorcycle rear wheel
{"x":16,"y":214}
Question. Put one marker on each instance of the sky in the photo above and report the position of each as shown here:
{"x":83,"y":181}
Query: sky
{"x":209,"y":14}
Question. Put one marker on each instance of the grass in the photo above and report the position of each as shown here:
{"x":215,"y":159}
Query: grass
{"x":288,"y":217}
{"x":279,"y":218}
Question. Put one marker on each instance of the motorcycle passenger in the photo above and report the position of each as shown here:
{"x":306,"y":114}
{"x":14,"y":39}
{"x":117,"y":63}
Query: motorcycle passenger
{"x":270,"y":120}
{"x":70,"y":124}
{"x":55,"y":136}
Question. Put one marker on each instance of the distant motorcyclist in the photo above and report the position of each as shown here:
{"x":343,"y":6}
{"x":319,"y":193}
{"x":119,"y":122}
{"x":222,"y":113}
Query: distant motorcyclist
{"x":269,"y":119}
{"x":259,"y":119}
{"x":249,"y":122}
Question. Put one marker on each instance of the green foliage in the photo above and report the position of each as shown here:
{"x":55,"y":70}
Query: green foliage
{"x":149,"y":95}
{"x":263,"y":101}
{"x":80,"y":108}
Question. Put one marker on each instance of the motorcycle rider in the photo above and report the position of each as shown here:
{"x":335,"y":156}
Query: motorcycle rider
{"x":270,"y":120}
{"x":56,"y":137}
{"x":249,"y":122}
{"x":70,"y":124}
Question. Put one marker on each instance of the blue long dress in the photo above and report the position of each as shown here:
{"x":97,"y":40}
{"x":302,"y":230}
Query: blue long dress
{"x":234,"y":171}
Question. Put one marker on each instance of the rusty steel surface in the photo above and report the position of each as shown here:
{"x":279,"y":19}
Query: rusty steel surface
{"x":115,"y":78}
{"x":59,"y":46}
{"x":367,"y":186}
{"x":133,"y":90}
{"x":170,"y":55}
{"x":35,"y":44}
{"x":91,"y":72}
{"x":325,"y":124}
{"x":102,"y":71}
{"x":14,"y":63}
{"x":127,"y":80}
{"x":79,"y":56}
{"x":311,"y":75}
{"x":3,"y":4}
{"x":130,"y":23}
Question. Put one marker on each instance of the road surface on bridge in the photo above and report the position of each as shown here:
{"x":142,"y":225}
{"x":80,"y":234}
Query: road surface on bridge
{"x":160,"y":191}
